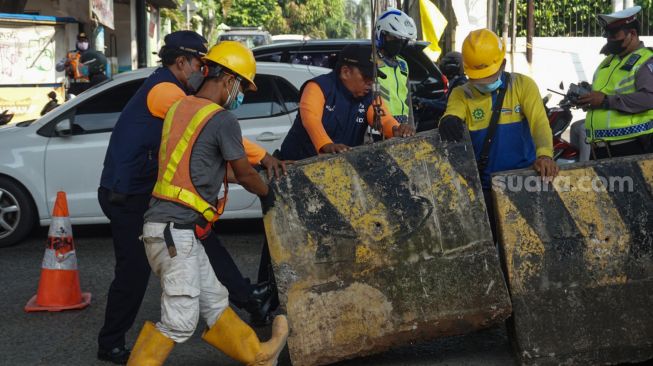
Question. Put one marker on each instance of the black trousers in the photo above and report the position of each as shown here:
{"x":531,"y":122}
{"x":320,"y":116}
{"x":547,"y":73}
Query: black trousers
{"x":641,"y":145}
{"x":132,"y":270}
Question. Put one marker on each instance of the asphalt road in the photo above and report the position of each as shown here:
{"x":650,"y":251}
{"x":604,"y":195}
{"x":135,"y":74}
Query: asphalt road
{"x":69,"y":338}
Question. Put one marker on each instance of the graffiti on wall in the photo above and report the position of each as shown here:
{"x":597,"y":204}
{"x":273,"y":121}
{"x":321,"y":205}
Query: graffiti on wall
{"x":27,"y":55}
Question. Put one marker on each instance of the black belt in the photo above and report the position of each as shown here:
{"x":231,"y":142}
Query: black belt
{"x":167,"y":235}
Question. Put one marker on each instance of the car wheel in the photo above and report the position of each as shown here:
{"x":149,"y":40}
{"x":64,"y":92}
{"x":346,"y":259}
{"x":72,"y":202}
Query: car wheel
{"x":16,"y":213}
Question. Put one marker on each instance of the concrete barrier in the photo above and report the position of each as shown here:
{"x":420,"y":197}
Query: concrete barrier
{"x":382,"y":246}
{"x":579,"y":259}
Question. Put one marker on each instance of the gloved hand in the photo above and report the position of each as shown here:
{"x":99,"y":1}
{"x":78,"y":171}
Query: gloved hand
{"x":267,"y":201}
{"x":451,"y":128}
{"x":117,"y":198}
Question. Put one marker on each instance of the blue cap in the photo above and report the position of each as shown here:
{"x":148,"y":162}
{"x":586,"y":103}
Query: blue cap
{"x":187,"y":41}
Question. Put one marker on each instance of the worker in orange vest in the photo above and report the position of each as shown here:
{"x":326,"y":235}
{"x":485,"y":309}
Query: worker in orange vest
{"x":200,"y":138}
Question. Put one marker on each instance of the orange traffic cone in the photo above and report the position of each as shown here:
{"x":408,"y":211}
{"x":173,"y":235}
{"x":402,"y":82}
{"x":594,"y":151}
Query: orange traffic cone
{"x":59,"y":284}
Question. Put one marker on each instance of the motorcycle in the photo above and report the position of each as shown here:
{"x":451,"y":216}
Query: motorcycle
{"x":560,"y":117}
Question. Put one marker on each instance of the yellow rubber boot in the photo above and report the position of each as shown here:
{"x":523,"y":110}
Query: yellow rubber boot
{"x":237,"y":340}
{"x":151,"y":348}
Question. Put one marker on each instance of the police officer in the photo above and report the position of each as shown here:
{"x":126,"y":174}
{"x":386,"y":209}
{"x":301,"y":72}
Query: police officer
{"x":128,"y":177}
{"x":394,"y":30}
{"x":620,"y":117}
{"x":336,"y":108}
{"x":76,"y":73}
{"x":197,"y":167}
{"x":522,"y":137}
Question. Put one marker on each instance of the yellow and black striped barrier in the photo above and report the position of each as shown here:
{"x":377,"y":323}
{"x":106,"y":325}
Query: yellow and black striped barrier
{"x":579,"y":261}
{"x":381,"y":246}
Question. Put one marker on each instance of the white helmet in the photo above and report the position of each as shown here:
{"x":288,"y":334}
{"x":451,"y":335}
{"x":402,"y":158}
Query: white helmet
{"x":397,"y":23}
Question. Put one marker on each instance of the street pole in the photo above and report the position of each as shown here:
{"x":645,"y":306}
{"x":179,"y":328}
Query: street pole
{"x":506,"y":21}
{"x":188,"y":18}
{"x":141,"y":33}
{"x":513,"y":42}
{"x":529,"y":31}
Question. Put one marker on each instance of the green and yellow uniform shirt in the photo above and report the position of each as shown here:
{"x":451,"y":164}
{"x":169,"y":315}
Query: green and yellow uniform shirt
{"x":523,"y":132}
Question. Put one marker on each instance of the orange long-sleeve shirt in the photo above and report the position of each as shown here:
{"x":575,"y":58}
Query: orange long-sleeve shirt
{"x":311,"y":106}
{"x":164,"y":95}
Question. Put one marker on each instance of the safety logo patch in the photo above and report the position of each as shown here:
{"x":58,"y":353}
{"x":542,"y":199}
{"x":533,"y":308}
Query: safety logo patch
{"x":478,"y":113}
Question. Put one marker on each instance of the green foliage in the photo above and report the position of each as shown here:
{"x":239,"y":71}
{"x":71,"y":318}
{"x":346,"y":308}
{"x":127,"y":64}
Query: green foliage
{"x":567,"y":18}
{"x":316,"y":18}
{"x":359,"y":14}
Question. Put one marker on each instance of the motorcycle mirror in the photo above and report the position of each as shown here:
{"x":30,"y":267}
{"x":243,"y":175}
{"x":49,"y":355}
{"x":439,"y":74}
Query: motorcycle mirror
{"x":561,"y":86}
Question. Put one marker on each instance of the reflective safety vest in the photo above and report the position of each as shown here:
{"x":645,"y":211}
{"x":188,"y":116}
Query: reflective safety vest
{"x":78,"y":71}
{"x":394,"y":89}
{"x":617,"y":76}
{"x":183,"y":124}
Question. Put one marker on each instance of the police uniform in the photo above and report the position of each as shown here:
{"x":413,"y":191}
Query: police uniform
{"x":394,"y":87}
{"x":623,"y":124}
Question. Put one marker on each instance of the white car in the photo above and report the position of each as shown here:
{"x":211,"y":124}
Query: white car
{"x":64,"y":150}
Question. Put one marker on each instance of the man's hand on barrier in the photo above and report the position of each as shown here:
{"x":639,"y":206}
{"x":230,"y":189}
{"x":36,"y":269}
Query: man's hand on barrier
{"x":334,"y":148}
{"x":546,"y":167}
{"x":267,"y":201}
{"x":274,"y":167}
{"x":403,"y":130}
{"x":451,"y":128}
{"x":592,"y":99}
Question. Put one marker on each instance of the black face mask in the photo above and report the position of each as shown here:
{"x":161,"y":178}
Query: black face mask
{"x":615,"y":47}
{"x":394,"y":47}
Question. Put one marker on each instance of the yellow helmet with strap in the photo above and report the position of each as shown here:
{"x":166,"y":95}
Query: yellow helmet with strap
{"x":236,"y":57}
{"x":483,"y":54}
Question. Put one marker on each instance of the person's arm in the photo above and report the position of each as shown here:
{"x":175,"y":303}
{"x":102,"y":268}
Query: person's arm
{"x":388,"y":122}
{"x":61,"y":64}
{"x":533,"y":110}
{"x":255,"y":152}
{"x":256,"y":155}
{"x":248,"y":177}
{"x":639,"y":101}
{"x":451,"y":125}
{"x":161,"y":97}
{"x":311,"y":108}
{"x":230,"y":141}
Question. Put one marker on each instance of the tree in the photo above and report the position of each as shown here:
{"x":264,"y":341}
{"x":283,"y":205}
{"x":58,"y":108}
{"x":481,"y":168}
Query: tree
{"x":251,"y":13}
{"x":359,"y":14}
{"x":572,"y":18}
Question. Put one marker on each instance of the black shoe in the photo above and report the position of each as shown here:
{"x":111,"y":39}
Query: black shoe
{"x":258,"y":320}
{"x":259,"y":299}
{"x":118,"y":355}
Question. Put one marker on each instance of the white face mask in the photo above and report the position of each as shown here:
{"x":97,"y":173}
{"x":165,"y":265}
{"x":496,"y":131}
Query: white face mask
{"x":82,"y":46}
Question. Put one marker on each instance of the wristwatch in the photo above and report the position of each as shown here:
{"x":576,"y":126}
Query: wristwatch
{"x":605,"y":104}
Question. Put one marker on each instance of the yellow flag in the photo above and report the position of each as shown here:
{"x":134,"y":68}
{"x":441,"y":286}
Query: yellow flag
{"x":433,"y":24}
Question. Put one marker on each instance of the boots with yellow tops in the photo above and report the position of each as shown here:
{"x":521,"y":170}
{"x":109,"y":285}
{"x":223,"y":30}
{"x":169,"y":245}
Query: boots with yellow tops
{"x":237,"y":340}
{"x":151,"y":348}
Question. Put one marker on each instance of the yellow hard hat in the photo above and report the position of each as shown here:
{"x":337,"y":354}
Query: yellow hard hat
{"x":236,"y":57}
{"x":483,"y":53}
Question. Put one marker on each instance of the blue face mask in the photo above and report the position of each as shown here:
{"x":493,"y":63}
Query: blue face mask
{"x":489,"y":88}
{"x":236,"y":102}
